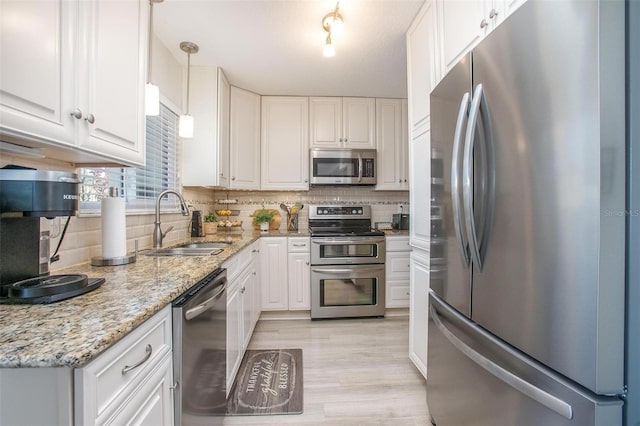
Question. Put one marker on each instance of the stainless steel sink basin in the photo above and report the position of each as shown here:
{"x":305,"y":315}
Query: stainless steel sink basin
{"x":203,"y":245}
{"x":184,"y":251}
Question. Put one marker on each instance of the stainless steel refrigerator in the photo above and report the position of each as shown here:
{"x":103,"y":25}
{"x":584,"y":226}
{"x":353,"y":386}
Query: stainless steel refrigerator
{"x":530,"y":177}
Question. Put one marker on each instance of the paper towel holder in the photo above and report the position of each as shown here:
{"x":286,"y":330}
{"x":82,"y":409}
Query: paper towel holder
{"x":120,"y":260}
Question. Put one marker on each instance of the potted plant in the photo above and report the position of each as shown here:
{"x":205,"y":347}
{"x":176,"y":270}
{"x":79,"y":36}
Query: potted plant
{"x":262,"y":217}
{"x":210,"y":225}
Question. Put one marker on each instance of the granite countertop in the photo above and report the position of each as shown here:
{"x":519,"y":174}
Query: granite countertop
{"x":72,"y":332}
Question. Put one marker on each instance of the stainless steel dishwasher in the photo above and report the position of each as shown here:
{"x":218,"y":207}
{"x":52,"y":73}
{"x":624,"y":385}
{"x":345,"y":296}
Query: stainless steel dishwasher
{"x":199,"y":351}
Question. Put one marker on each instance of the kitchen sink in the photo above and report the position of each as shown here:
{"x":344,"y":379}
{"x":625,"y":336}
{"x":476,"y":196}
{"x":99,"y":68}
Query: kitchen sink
{"x":184,"y":251}
{"x":204,"y":245}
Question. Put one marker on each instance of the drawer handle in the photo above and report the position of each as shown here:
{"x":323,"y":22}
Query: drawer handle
{"x":299,"y":245}
{"x":128,"y":368}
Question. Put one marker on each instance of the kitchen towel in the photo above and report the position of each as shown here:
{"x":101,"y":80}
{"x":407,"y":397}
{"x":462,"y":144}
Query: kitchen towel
{"x":114,"y":230}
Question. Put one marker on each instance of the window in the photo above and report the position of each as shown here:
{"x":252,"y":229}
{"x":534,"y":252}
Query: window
{"x":140,"y":185}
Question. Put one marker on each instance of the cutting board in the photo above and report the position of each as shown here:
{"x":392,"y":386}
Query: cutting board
{"x":274,"y":225}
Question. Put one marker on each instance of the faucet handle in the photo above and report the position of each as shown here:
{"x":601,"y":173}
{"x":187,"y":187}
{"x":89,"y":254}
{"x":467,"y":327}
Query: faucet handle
{"x":164,"y":234}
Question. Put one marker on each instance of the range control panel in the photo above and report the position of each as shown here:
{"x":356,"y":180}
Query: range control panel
{"x":340,"y":212}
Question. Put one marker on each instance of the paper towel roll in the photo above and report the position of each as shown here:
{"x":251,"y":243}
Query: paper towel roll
{"x":114,"y":227}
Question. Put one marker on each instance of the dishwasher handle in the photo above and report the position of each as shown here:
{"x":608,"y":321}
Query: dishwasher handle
{"x":205,"y":305}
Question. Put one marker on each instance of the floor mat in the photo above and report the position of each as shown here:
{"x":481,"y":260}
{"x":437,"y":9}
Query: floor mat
{"x":269,"y":381}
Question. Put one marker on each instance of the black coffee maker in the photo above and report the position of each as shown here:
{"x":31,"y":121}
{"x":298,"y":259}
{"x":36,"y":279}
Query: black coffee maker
{"x":197,"y":228}
{"x":27,"y":195}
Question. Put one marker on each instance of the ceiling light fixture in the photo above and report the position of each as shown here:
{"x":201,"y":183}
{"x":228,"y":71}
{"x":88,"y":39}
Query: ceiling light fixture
{"x":185,"y":126}
{"x":333,"y":24}
{"x":151,"y":91}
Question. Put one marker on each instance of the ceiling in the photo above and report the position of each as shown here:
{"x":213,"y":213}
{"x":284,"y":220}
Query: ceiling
{"x":275,"y":47}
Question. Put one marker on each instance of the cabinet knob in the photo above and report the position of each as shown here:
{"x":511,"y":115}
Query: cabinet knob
{"x":306,"y":181}
{"x":483,"y":23}
{"x":233,"y":178}
{"x":254,"y":273}
{"x":242,"y":289}
{"x":76,"y":113}
{"x":405,"y":181}
{"x":90,"y":119}
{"x":399,"y":180}
{"x":221,"y":174}
{"x":493,"y":13}
{"x":307,"y":263}
{"x":255,"y":251}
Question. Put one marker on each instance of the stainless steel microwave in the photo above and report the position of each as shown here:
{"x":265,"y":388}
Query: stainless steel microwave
{"x":334,"y":166}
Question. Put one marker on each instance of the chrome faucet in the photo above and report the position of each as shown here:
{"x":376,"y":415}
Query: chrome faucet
{"x":158,"y":235}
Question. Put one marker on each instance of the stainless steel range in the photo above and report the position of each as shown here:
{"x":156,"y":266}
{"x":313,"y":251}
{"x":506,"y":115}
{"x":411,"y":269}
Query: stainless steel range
{"x":347,"y":263}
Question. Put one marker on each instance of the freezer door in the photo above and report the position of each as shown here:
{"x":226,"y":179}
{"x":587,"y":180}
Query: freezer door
{"x":551,"y":282}
{"x":475,"y":379}
{"x":449,"y":251}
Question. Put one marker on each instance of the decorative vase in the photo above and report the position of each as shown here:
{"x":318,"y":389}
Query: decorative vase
{"x":210,"y":228}
{"x":264,"y":227}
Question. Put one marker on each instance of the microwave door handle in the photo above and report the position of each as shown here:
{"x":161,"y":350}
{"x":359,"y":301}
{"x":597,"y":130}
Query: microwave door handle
{"x":359,"y":167}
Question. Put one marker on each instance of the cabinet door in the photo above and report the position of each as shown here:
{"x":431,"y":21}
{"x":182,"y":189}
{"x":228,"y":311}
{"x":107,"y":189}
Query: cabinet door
{"x":358,"y":122}
{"x":389,"y":144}
{"x":325,"y":117}
{"x":113,"y":51}
{"x":273,"y":270}
{"x":397,"y":278}
{"x":299,"y":281}
{"x":418,"y":311}
{"x":422,"y":60}
{"x":152,"y":403}
{"x":201,"y":151}
{"x":247,"y":291}
{"x":245,"y":139}
{"x":285,"y":143}
{"x":462,"y":25}
{"x":234,"y":333}
{"x":37,"y":96}
{"x":223,"y":139}
{"x":420,"y":193}
{"x":404,"y":146}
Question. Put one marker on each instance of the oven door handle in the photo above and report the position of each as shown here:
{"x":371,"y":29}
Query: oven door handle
{"x":195,"y":311}
{"x":347,"y":242}
{"x":347,"y":270}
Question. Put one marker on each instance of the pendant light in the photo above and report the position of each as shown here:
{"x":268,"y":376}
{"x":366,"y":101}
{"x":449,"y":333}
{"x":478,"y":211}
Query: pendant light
{"x":151,"y":91}
{"x":185,"y":127}
{"x":333,"y":24}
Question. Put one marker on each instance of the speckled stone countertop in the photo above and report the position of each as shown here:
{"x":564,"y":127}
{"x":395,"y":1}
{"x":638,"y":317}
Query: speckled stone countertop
{"x":72,"y":332}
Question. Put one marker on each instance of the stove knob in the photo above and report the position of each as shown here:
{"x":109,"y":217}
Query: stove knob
{"x":354,"y":211}
{"x":326,"y":212}
{"x":360,"y":211}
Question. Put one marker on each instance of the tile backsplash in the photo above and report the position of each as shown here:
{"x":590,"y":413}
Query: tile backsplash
{"x":83,"y":237}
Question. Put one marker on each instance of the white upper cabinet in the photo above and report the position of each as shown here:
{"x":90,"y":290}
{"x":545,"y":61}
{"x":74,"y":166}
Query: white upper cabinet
{"x":463,"y":23}
{"x":422,"y":65}
{"x":224,"y":123}
{"x":245,"y":139}
{"x":206,"y":156}
{"x":72,"y":76}
{"x":342,"y":122}
{"x":285,"y":143}
{"x":392,"y":145}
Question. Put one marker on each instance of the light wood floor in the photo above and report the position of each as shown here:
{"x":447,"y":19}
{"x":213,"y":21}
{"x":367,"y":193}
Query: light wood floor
{"x":356,"y":372}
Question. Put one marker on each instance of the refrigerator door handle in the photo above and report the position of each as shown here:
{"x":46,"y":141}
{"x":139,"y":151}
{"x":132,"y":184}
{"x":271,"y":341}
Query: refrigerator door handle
{"x":455,"y":182}
{"x":526,"y":388}
{"x":475,"y":234}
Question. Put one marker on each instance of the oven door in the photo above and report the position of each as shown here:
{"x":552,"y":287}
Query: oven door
{"x":347,"y":250}
{"x":347,"y":291}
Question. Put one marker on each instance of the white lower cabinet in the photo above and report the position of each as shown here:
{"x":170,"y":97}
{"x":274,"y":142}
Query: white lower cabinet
{"x":243,"y":306}
{"x":299,"y":276}
{"x":397,"y":272}
{"x":130,"y":382}
{"x":273,"y":274}
{"x":418,"y":310}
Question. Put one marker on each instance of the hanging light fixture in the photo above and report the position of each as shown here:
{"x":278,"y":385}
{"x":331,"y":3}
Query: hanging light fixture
{"x":333,"y":24}
{"x":151,"y":91}
{"x":185,"y":126}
